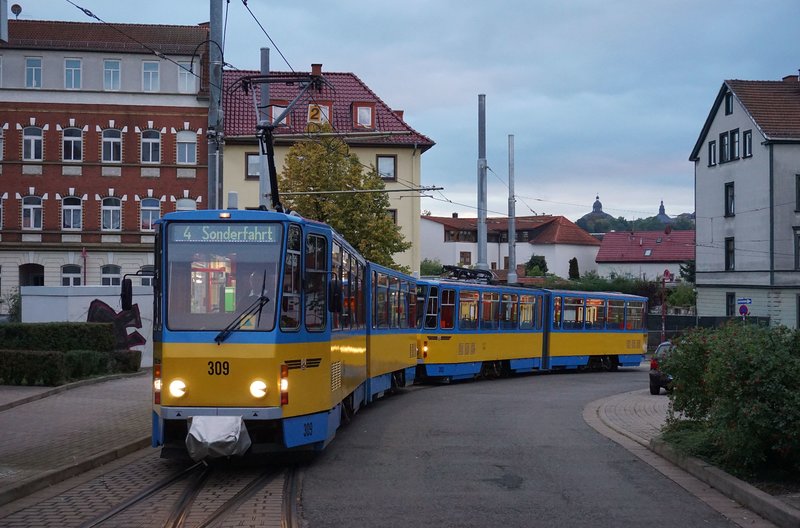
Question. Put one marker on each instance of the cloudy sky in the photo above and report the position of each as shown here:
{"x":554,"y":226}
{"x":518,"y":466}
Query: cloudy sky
{"x":602,"y":96}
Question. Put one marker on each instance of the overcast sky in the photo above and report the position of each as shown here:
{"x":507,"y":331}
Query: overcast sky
{"x":602,"y":96}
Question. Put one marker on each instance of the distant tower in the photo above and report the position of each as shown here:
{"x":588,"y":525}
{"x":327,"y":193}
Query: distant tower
{"x":662,"y":216}
{"x":597,"y":207}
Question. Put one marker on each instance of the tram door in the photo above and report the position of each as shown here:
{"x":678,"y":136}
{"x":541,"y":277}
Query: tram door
{"x":546,"y":319}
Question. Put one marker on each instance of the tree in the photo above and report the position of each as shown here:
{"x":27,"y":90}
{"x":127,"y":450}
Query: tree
{"x":682,"y":295}
{"x":326,"y":164}
{"x":687,"y":271}
{"x":574,"y":274}
{"x":430,"y":267}
{"x":536,"y":266}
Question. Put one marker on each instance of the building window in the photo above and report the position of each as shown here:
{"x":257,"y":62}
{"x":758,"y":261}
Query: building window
{"x":797,"y":193}
{"x":187,"y":147}
{"x":73,"y":144}
{"x":151,"y":146}
{"x":747,"y":143}
{"x":724,"y":148}
{"x":728,"y":103}
{"x":319,"y":113}
{"x":252,"y":167}
{"x":729,"y":200}
{"x":393,"y":215}
{"x":111,"y":214}
{"x":712,"y":153}
{"x":150,"y":81}
{"x":72,"y":74}
{"x":465,"y":258}
{"x":2,"y":143}
{"x":1,"y":212}
{"x":71,"y":275}
{"x":31,"y":212}
{"x":150,"y":212}
{"x":186,"y":79}
{"x":797,"y":248}
{"x":387,"y":167}
{"x":363,"y":116}
{"x":33,"y":72}
{"x":71,"y":213}
{"x":730,"y":262}
{"x":112,"y":146}
{"x":730,"y":304}
{"x":185,"y":204}
{"x":275,"y":111}
{"x":110,"y":275}
{"x":32,"y":144}
{"x":734,"y":142}
{"x":111,"y":75}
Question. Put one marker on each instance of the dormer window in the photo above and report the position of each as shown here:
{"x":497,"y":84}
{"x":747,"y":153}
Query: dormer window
{"x":363,"y":115}
{"x":319,"y":113}
{"x":276,"y":108}
{"x":728,"y":103}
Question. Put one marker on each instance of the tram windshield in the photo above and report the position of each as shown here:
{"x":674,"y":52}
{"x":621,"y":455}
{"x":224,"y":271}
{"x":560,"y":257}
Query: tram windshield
{"x":215,"y":271}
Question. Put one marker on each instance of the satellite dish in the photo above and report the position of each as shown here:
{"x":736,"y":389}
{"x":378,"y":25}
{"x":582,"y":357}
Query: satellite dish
{"x":16,"y":9}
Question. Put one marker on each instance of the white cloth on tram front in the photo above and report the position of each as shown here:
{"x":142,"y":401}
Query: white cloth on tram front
{"x":217,"y":436}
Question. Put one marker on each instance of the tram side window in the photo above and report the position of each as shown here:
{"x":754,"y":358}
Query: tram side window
{"x":527,"y":307}
{"x":381,"y":305}
{"x":616,"y":315}
{"x":432,"y":311}
{"x":448,"y":309}
{"x":573,"y":313}
{"x":556,"y":312}
{"x":348,"y":290}
{"x":336,"y":268}
{"x":394,"y":302}
{"x":635,"y":310}
{"x":538,"y":310}
{"x":290,"y":298}
{"x":419,"y":306}
{"x":491,"y":310}
{"x":358,"y":309}
{"x":595,"y":314}
{"x":316,"y":283}
{"x":404,"y":305}
{"x":508,"y":311}
{"x":467,"y":310}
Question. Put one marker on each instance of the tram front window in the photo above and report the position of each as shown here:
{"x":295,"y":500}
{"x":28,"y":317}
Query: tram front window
{"x":214,"y":271}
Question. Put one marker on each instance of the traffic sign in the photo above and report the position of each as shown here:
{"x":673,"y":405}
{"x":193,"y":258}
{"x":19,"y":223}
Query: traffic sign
{"x":743,"y":310}
{"x":744,"y":300}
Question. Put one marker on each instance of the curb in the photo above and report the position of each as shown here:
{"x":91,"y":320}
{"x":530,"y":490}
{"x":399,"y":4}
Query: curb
{"x":68,"y":386}
{"x":749,"y":496}
{"x":37,"y":482}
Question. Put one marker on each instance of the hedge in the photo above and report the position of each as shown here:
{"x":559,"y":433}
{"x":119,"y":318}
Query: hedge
{"x":58,"y":336}
{"x":33,"y":367}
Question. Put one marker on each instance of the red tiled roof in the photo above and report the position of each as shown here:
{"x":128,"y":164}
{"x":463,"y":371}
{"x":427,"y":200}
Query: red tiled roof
{"x":678,"y":246}
{"x":96,"y":36}
{"x":545,"y":229}
{"x":342,"y":90}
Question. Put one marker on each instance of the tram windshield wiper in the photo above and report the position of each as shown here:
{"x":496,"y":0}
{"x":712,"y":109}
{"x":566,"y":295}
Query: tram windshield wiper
{"x":255,"y":308}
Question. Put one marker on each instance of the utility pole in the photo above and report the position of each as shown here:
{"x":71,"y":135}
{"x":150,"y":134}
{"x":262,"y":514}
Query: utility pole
{"x":482,"y":264}
{"x":215,"y":117}
{"x":264,"y":187}
{"x":512,"y":228}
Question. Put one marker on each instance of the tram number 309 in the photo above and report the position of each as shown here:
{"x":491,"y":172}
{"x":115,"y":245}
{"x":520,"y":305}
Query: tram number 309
{"x":218,"y":368}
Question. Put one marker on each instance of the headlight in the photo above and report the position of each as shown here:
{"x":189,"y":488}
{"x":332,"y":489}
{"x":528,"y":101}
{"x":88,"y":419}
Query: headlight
{"x":284,"y":384}
{"x":177,"y":388}
{"x":258,"y":389}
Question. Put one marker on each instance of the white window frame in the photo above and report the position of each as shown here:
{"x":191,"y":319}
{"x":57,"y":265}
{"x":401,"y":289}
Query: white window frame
{"x":70,"y":142}
{"x":186,"y":144}
{"x":150,"y":76}
{"x":111,"y":214}
{"x":149,"y":212}
{"x":33,"y":72}
{"x":71,"y":275}
{"x":32,"y":213}
{"x":72,"y":73}
{"x":2,"y":142}
{"x":112,"y":75}
{"x":111,"y":146}
{"x":252,"y":166}
{"x":187,"y":80}
{"x":110,"y":275}
{"x":323,"y":115}
{"x":32,"y":143}
{"x":71,"y":214}
{"x":151,"y":146}
{"x":365,"y":116}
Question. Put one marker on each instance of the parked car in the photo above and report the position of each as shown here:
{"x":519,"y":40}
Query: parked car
{"x":659,"y":378}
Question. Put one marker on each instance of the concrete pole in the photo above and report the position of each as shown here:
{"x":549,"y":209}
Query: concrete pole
{"x":482,"y":240}
{"x":264,"y":189}
{"x":215,"y":122}
{"x":512,"y":228}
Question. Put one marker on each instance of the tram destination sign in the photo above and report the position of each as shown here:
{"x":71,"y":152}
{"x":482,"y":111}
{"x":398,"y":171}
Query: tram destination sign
{"x":225,"y":233}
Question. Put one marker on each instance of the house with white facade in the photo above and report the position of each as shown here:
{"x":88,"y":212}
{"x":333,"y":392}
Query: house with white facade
{"x":747,"y":193}
{"x":454,"y":241}
{"x":646,"y":255}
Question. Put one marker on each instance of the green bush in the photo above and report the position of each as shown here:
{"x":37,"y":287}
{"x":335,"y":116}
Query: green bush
{"x":740,"y":383}
{"x":126,"y":360}
{"x":31,"y":367}
{"x":58,"y":336}
{"x":86,"y":363}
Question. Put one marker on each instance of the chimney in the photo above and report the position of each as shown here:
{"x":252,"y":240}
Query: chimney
{"x":398,"y":113}
{"x":455,"y":215}
{"x":316,"y":70}
{"x":791,"y":78}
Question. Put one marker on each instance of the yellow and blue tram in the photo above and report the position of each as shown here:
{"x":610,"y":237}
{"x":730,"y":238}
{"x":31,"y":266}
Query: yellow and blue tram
{"x":470,"y":329}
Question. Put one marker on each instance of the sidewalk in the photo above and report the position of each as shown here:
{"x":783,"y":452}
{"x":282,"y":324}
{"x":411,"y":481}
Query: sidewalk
{"x":50,"y":434}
